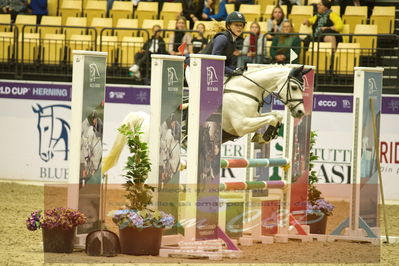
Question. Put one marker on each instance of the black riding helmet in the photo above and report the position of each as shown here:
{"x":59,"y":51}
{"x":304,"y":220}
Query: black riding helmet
{"x":235,"y":17}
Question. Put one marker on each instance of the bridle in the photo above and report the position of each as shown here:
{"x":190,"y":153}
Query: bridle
{"x":289,"y":98}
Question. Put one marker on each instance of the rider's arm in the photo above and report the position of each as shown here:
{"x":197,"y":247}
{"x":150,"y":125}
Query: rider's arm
{"x":219,"y":43}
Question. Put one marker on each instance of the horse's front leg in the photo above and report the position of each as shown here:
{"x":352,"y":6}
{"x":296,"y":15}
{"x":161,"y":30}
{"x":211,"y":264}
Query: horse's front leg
{"x":251,"y":124}
{"x":274,"y":121}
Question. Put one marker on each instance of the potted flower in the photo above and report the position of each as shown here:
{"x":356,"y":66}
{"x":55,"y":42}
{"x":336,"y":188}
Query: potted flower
{"x":58,"y":227}
{"x":140,"y":227}
{"x":318,"y":209}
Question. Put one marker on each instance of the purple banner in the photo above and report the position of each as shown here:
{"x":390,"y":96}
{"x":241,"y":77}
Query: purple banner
{"x":333,"y":103}
{"x":132,"y":95}
{"x":277,"y":104}
{"x":390,"y":105}
{"x":141,"y":95}
{"x":211,"y":87}
{"x":42,"y":91}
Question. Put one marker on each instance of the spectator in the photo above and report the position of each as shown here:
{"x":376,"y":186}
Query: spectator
{"x":192,"y":10}
{"x":199,"y":41}
{"x":155,"y":45}
{"x":13,"y":7}
{"x":39,"y":9}
{"x":275,"y":22}
{"x":179,"y":37}
{"x":282,"y":45}
{"x":289,"y":4}
{"x":209,"y":10}
{"x":252,"y":48}
{"x":325,"y":21}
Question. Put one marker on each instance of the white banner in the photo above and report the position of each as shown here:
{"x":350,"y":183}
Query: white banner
{"x":25,"y":153}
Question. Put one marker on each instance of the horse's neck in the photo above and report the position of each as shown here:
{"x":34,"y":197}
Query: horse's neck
{"x":271,"y":78}
{"x":261,"y":80}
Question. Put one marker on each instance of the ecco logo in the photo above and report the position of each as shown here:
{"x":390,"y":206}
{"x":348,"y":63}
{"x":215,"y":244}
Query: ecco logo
{"x":327,"y":103}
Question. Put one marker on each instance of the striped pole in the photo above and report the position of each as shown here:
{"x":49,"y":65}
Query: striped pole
{"x":244,"y":163}
{"x":251,"y":185}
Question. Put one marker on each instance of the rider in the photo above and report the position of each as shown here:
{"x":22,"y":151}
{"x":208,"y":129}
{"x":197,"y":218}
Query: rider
{"x":224,"y":43}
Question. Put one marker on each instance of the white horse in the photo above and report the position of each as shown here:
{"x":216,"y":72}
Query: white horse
{"x":242,"y":99}
{"x":244,"y":95}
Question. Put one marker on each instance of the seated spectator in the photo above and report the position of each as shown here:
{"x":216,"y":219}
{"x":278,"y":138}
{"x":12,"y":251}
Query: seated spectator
{"x":180,"y":36}
{"x":252,"y":48}
{"x":13,"y":7}
{"x":209,"y":10}
{"x":142,"y":59}
{"x":275,"y":22}
{"x":39,"y":9}
{"x":199,"y":41}
{"x":325,"y":21}
{"x":289,"y":4}
{"x":282,"y":45}
{"x":192,"y":10}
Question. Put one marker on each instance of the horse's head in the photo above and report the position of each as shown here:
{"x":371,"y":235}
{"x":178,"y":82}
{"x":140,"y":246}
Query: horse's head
{"x":291,"y":92}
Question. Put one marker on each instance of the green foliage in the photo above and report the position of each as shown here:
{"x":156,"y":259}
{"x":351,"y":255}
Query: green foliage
{"x":139,"y":194}
{"x":313,"y":192}
{"x":312,"y":174}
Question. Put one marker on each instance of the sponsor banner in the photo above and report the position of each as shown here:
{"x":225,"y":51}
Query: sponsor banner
{"x":299,"y":155}
{"x":138,"y":95}
{"x":277,"y":104}
{"x":371,"y":113}
{"x":390,"y":105}
{"x":170,"y":137}
{"x":210,"y":139}
{"x":333,"y":103}
{"x":31,"y":90}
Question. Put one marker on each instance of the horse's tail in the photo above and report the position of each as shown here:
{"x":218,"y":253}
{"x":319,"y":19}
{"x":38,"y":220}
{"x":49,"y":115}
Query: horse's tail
{"x":132,"y":119}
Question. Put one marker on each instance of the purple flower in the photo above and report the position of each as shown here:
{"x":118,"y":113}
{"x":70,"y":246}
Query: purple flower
{"x":64,"y":218}
{"x":142,"y":219}
{"x":319,"y":207}
{"x":167,"y":220}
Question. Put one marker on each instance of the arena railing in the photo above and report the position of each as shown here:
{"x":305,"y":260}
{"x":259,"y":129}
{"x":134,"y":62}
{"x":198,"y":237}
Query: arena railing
{"x":8,"y":51}
{"x":364,"y":50}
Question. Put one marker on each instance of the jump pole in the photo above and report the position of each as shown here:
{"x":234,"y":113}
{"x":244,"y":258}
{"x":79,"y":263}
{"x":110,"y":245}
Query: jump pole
{"x":88,"y":94}
{"x":166,"y":97}
{"x":363,"y":215}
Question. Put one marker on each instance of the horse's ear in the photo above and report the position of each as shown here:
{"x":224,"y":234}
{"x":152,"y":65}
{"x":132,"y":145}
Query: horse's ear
{"x":296,"y":72}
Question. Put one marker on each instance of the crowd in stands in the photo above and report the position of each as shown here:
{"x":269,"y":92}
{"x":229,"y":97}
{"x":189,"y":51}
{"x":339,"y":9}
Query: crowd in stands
{"x":15,"y":7}
{"x":195,"y":13}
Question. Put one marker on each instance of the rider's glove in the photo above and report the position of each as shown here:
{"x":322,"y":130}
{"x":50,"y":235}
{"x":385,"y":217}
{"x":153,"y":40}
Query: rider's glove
{"x":237,"y":72}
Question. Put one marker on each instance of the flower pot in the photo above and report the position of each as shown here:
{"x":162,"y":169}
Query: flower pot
{"x":58,"y":240}
{"x":317,"y":223}
{"x":146,"y":241}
